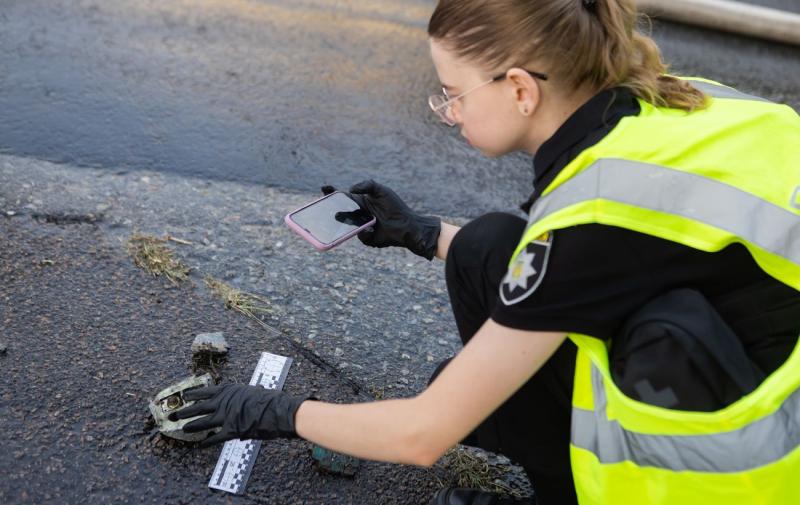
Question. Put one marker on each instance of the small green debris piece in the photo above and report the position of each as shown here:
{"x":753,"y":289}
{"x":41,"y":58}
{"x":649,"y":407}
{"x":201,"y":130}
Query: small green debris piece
{"x":335,"y":463}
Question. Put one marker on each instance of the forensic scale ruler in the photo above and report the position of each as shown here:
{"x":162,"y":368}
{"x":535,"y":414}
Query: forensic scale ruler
{"x":238,"y":456}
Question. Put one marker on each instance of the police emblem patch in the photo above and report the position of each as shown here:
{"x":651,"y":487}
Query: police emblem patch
{"x":527,"y":271}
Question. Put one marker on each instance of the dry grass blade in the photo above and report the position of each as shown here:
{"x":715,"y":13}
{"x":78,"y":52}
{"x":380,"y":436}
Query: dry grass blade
{"x":252,"y":305}
{"x":178,"y":240}
{"x":151,"y":254}
{"x":245,"y":303}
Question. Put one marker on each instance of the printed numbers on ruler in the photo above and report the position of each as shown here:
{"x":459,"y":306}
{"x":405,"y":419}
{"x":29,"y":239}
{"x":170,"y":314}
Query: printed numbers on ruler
{"x":236,"y":461}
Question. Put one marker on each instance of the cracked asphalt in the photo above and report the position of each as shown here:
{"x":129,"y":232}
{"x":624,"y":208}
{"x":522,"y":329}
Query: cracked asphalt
{"x":91,"y":337}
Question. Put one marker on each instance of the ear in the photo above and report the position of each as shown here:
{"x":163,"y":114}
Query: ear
{"x":526,"y":90}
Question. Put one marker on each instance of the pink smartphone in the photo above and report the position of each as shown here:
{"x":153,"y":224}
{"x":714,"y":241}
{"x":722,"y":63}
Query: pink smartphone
{"x":329,"y":221}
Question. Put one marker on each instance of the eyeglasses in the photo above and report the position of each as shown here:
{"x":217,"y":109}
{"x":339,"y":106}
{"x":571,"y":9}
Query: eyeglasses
{"x":442,"y":105}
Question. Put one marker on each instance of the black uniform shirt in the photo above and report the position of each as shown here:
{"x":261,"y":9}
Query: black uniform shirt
{"x":597,"y":275}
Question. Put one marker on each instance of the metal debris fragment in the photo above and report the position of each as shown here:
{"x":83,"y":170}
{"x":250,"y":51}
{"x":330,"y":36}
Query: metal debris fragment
{"x":210,"y":342}
{"x":209,"y":354}
{"x":171,"y":400}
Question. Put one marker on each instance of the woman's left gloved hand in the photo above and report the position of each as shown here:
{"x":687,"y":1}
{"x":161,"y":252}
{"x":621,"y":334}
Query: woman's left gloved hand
{"x":396,"y":224}
{"x":242,"y":411}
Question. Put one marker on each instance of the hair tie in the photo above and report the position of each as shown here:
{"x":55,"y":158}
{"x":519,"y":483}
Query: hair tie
{"x":590,"y":4}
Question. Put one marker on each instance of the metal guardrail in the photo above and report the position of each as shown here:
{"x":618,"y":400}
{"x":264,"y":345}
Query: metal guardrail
{"x":729,"y":16}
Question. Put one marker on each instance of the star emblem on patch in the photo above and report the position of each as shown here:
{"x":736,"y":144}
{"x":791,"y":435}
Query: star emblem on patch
{"x":521,"y":271}
{"x":527,"y":271}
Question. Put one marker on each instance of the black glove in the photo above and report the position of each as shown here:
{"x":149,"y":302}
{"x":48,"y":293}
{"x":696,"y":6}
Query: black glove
{"x":242,"y":411}
{"x":396,"y":224}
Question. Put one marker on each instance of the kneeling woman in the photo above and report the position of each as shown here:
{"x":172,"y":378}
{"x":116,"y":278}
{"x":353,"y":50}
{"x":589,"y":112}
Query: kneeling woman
{"x":665,"y":216}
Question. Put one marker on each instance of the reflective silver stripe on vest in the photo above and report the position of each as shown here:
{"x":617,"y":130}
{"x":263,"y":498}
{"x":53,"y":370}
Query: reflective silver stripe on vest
{"x":759,"y":443}
{"x":692,"y":196}
{"x":718,"y":91}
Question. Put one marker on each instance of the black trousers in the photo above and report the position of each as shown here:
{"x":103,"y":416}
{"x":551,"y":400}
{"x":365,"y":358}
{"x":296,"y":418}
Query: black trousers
{"x":532,"y":428}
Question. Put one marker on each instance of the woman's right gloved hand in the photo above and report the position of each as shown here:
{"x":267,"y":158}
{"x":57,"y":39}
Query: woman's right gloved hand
{"x":396,"y":224}
{"x":240,"y":411}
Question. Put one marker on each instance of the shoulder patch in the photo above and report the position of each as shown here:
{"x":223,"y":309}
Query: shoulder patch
{"x":526,"y":273}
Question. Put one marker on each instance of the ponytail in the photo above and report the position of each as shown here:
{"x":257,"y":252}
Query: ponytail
{"x":577,"y":42}
{"x":643,"y":70}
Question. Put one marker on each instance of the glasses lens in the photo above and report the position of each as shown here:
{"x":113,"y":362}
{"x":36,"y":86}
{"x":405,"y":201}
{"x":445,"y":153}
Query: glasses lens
{"x":438,"y":105}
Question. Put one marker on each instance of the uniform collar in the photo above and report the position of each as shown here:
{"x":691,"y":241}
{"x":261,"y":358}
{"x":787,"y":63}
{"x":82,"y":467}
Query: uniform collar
{"x":584,"y":128}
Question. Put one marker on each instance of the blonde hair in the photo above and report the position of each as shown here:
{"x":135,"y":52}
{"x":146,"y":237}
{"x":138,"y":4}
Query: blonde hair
{"x":578,"y":43}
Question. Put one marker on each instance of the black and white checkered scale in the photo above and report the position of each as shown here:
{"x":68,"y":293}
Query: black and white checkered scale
{"x":236,"y":461}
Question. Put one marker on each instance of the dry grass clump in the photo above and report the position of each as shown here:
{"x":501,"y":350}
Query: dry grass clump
{"x":210,"y":363}
{"x":151,"y":254}
{"x":472,"y":471}
{"x":245,"y":303}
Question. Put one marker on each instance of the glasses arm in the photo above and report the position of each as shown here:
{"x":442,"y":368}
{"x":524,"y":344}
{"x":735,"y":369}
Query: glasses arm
{"x":451,"y":100}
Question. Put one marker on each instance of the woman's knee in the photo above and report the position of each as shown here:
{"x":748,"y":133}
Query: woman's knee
{"x":485,"y":243}
{"x":476,"y":263}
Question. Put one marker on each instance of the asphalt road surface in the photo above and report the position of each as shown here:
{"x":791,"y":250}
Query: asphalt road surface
{"x":208,"y":121}
{"x":292,"y":94}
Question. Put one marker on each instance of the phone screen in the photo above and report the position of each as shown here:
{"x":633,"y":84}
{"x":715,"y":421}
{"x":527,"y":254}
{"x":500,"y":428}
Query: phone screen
{"x":331,"y":218}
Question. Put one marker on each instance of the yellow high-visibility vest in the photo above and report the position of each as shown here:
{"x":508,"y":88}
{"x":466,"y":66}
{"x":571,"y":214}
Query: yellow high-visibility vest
{"x":726,"y":174}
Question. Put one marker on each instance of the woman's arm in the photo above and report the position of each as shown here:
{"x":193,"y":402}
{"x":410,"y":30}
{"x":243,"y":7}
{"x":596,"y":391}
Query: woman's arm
{"x":445,"y":238}
{"x":420,"y":430}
